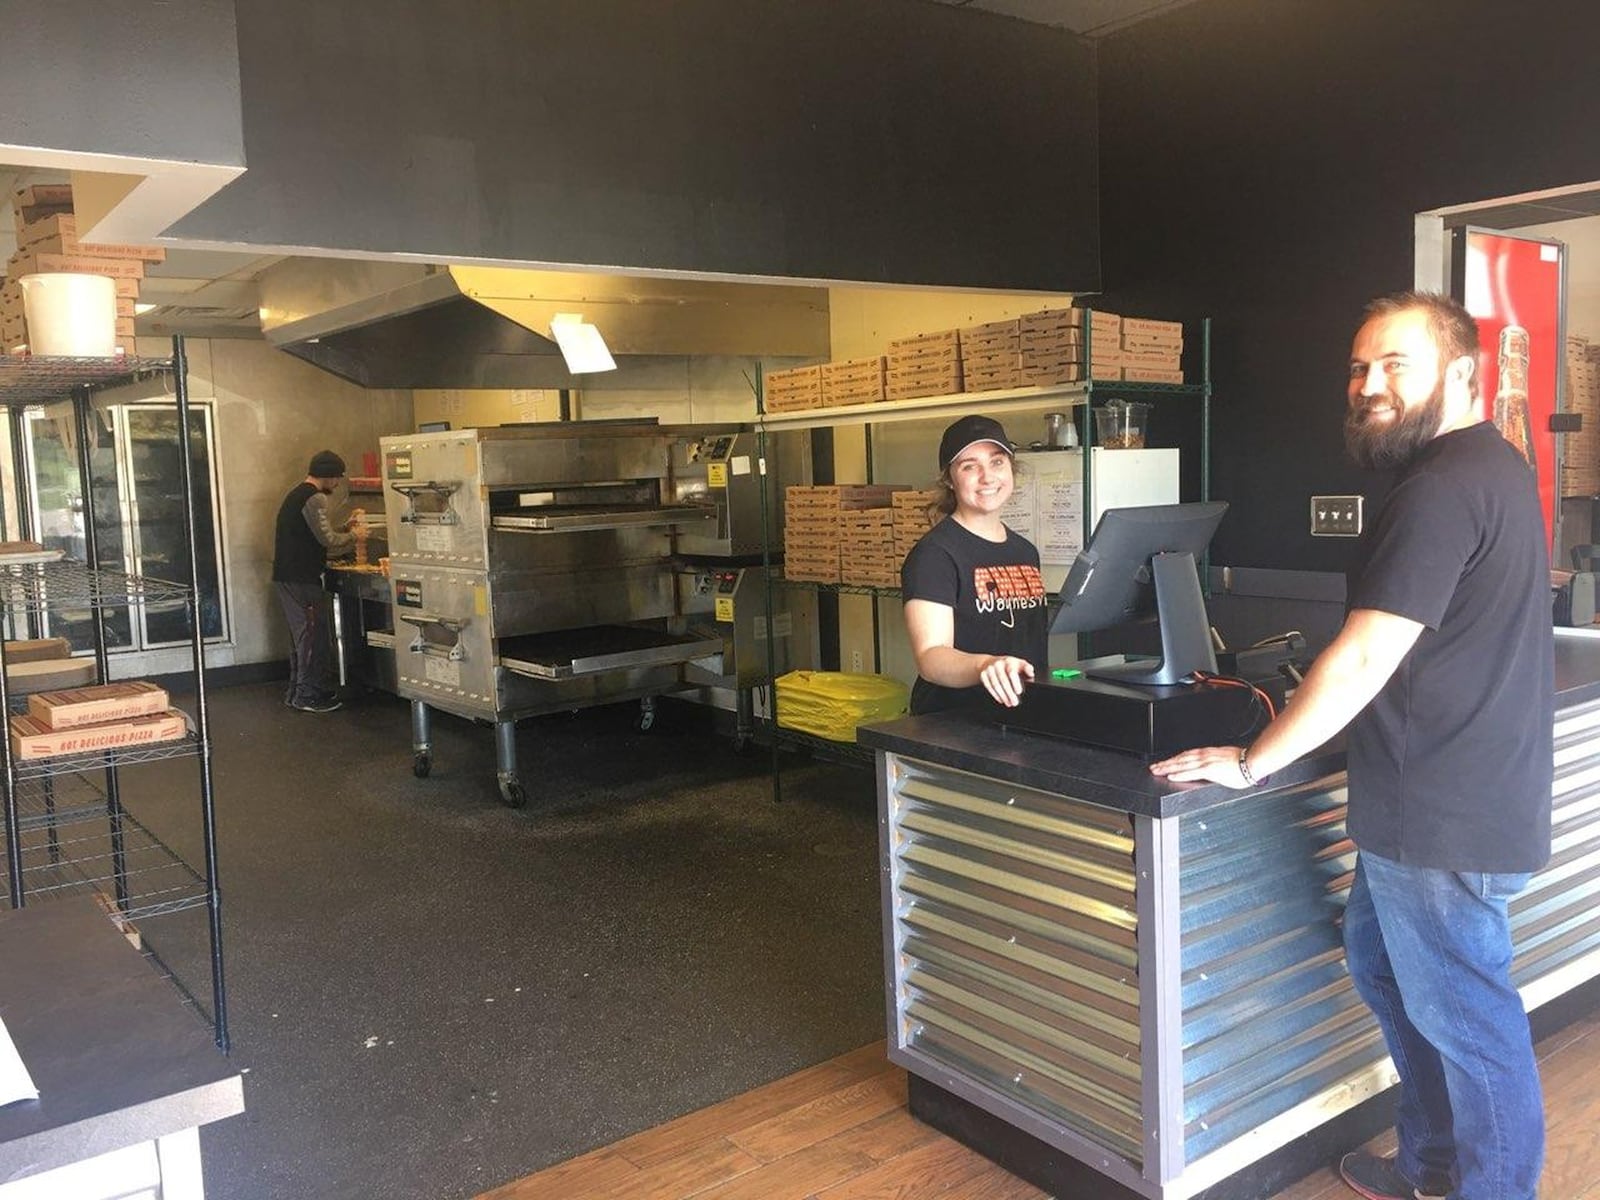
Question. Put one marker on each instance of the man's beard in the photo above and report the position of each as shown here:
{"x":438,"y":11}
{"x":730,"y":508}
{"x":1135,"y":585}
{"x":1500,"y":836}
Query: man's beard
{"x":1381,"y":447}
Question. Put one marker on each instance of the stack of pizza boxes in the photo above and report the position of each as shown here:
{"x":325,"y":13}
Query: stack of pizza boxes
{"x":47,"y":243}
{"x":866,"y":538}
{"x":1051,"y":346}
{"x":811,"y":534}
{"x":829,"y":524}
{"x":991,"y":356}
{"x":794,"y":390}
{"x":1152,"y":351}
{"x":853,"y":381}
{"x":1580,"y":466}
{"x":928,"y":364}
{"x":109,"y":716}
{"x":1105,"y":343}
{"x":913,"y":517}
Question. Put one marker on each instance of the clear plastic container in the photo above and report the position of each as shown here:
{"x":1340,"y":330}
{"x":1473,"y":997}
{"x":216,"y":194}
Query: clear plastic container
{"x":1120,"y":424}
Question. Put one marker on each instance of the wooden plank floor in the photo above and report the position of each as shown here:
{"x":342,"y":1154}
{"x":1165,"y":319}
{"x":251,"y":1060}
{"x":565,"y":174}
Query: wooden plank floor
{"x":840,"y":1131}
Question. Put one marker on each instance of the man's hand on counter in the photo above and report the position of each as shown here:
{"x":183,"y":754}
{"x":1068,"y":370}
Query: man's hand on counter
{"x":1213,"y":764}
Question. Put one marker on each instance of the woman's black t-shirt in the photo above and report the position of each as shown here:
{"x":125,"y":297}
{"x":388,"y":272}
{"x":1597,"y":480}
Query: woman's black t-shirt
{"x":998,"y":597}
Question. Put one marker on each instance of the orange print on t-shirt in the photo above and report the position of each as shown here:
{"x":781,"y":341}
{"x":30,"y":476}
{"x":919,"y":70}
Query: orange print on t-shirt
{"x":1007,"y":588}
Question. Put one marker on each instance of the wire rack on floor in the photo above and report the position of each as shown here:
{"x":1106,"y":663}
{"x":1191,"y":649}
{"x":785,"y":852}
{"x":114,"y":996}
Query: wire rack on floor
{"x":67,"y":857}
{"x":58,"y":802}
{"x":820,"y":747}
{"x":125,"y":756}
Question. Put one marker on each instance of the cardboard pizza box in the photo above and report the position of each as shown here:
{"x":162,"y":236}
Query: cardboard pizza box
{"x":77,"y":707}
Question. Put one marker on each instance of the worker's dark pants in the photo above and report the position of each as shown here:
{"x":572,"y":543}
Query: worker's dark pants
{"x":305,"y":607}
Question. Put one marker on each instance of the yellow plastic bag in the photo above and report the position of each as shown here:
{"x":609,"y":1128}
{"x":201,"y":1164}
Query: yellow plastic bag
{"x":830,"y":704}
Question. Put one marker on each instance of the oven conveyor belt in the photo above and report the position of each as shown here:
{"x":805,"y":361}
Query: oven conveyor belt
{"x":567,"y":653}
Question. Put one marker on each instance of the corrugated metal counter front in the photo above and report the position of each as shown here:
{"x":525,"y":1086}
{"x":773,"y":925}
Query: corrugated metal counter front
{"x":1150,"y":977}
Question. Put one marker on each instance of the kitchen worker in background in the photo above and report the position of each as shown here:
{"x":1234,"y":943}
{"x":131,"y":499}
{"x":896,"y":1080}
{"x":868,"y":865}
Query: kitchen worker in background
{"x":1444,"y":673}
{"x":303,"y":541}
{"x":974,"y":597}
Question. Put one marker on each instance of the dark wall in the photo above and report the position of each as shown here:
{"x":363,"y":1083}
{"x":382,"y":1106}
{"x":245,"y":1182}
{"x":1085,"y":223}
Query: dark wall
{"x":890,"y":141}
{"x":122,"y":77}
{"x":1262,"y":163}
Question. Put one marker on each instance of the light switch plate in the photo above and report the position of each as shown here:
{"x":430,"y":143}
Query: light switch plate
{"x":1336,"y":516}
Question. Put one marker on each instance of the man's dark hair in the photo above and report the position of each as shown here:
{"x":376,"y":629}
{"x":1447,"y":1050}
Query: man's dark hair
{"x":1451,"y":326}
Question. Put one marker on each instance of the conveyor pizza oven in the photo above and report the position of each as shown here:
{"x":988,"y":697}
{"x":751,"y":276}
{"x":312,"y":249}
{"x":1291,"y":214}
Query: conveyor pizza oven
{"x":538,"y":567}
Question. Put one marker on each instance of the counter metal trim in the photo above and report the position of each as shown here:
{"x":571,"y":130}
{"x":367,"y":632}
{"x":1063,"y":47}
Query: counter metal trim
{"x":1013,"y":950}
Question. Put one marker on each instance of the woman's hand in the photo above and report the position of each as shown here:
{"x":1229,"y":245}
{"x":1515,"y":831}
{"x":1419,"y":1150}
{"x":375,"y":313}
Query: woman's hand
{"x":1214,"y":764}
{"x":1003,"y":677}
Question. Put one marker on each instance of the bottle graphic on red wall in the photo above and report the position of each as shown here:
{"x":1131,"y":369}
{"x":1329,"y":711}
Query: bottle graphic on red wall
{"x":1511,"y":392}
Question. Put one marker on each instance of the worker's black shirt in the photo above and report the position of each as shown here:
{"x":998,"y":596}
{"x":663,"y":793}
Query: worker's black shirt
{"x":999,"y":600}
{"x":297,"y":555}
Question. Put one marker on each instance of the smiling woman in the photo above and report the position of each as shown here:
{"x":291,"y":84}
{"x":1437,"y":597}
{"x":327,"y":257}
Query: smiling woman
{"x":974,"y":597}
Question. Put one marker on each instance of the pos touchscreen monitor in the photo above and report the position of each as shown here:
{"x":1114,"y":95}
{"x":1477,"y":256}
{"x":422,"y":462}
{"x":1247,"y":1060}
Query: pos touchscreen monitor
{"x":1135,"y":550}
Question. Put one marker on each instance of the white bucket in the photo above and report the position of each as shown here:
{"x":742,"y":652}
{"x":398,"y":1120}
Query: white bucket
{"x":70,"y":316}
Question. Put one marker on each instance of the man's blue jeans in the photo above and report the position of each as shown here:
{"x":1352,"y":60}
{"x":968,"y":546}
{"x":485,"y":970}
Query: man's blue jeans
{"x":1430,"y":953}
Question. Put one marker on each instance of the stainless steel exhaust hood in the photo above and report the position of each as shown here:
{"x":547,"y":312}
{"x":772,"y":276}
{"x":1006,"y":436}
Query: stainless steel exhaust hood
{"x":399,"y":325}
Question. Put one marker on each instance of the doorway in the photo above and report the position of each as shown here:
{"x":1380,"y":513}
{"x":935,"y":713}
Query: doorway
{"x":1569,"y":216}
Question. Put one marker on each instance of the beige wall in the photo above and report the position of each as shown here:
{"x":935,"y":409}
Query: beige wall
{"x":863,"y":322}
{"x":475,"y":408}
{"x":693,"y":390}
{"x":1582,"y":238}
{"x":273,"y":412}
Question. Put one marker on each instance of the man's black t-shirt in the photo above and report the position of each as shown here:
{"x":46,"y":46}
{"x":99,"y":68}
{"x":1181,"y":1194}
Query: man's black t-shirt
{"x":998,"y":597}
{"x":1451,"y":763}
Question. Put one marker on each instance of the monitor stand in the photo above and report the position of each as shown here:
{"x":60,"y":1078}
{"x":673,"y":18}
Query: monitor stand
{"x":1185,"y":631}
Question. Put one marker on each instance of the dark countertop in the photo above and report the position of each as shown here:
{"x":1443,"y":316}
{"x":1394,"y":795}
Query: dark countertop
{"x":1577,"y":668}
{"x":117,"y":1058}
{"x":1087,"y":773}
{"x":1122,"y":781}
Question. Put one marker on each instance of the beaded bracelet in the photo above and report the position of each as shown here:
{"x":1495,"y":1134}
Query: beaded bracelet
{"x":1244,"y":766}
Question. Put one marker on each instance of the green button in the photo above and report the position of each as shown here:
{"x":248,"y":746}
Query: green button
{"x":1065,"y":673}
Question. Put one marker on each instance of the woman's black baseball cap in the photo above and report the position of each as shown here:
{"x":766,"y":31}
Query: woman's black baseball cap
{"x":969,"y":431}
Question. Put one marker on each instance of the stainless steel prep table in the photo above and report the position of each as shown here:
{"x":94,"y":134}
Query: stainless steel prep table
{"x":126,"y":1074}
{"x":363,"y":625}
{"x":1102,"y":979}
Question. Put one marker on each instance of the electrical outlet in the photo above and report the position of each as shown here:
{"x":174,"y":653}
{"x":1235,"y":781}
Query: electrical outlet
{"x":855,"y":661}
{"x":1336,"y":516}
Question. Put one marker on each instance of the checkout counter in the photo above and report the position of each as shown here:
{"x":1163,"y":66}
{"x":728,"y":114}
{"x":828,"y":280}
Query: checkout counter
{"x":1115,"y":986}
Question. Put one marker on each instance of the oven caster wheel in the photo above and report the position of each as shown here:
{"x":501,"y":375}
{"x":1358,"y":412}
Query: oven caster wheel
{"x":512,"y":793}
{"x":646,"y":719}
{"x":421,"y":765}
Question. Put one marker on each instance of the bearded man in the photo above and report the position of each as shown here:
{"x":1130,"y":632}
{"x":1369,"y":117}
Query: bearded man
{"x":1443,"y":671}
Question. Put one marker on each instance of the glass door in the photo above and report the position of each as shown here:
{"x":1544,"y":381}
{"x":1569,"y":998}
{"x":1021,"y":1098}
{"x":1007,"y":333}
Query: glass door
{"x":54,"y":494}
{"x":138,"y":511}
{"x":148,"y":443}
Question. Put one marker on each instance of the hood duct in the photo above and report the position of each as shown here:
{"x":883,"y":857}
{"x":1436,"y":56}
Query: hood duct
{"x":398,"y":325}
